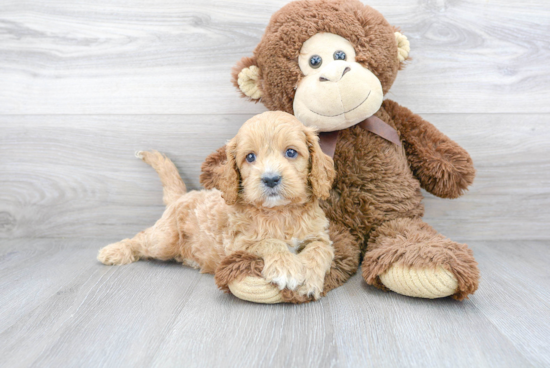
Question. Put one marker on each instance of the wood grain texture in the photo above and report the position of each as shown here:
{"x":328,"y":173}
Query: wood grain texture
{"x":509,"y":271}
{"x":76,"y":176}
{"x":166,"y":315}
{"x":174,"y":57}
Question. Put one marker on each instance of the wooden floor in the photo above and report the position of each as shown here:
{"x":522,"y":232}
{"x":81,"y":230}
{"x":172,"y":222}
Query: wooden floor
{"x":84,"y":84}
{"x":62,"y":309}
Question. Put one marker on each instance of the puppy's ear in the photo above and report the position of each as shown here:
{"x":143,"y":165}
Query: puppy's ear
{"x":230,"y":178}
{"x":321,"y":174}
{"x":212,"y":169}
{"x":246,"y":77}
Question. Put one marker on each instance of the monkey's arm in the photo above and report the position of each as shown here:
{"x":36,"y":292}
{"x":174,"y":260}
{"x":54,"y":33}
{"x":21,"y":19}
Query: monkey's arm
{"x":443,"y":167}
{"x":211,"y":168}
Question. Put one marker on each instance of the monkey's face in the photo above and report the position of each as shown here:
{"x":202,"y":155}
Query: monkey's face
{"x":329,"y":63}
{"x":336,"y":92}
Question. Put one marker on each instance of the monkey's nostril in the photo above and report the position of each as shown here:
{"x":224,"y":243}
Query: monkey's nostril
{"x":323,"y":79}
{"x":346,"y":70}
{"x":271,"y":181}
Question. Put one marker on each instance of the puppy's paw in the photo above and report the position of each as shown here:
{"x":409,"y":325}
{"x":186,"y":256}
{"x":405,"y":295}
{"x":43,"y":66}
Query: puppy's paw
{"x":287,"y":281}
{"x":284,"y":270}
{"x":311,"y":288}
{"x":117,"y":254}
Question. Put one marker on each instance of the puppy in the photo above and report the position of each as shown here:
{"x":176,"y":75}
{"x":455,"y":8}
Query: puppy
{"x":267,"y":205}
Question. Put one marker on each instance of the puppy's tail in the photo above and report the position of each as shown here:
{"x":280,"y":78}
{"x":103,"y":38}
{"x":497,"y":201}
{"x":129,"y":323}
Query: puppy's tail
{"x":173,"y":186}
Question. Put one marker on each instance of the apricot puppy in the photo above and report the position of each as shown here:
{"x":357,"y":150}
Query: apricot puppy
{"x":267,"y":205}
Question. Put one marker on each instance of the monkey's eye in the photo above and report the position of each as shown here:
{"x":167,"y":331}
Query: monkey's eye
{"x":290,"y":153}
{"x":339,"y":55}
{"x":251,"y":157}
{"x":315,"y":61}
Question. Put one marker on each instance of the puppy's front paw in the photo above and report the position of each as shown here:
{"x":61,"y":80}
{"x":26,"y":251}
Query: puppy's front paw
{"x":312,"y":287}
{"x":116,"y":254}
{"x":286,"y":281}
{"x":284,"y":270}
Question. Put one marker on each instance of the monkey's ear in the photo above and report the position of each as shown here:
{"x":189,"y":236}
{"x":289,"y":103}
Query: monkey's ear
{"x":230,"y":176}
{"x":403,"y":46}
{"x":246,"y":77}
{"x":321,"y":174}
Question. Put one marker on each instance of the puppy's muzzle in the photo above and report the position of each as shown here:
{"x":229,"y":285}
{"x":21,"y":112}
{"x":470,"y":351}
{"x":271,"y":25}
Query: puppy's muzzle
{"x":271,"y":181}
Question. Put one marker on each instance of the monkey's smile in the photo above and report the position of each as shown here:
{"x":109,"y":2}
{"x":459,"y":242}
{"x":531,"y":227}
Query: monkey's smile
{"x":345,"y":112}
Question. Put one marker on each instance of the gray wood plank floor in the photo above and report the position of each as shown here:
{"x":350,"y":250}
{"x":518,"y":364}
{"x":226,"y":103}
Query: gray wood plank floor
{"x":60,"y":308}
{"x":85,"y":84}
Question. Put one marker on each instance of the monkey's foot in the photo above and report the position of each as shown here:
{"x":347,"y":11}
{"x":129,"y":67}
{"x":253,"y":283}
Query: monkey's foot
{"x":257,"y":290}
{"x":420,"y":282}
{"x":409,"y":257}
{"x":240,"y":274}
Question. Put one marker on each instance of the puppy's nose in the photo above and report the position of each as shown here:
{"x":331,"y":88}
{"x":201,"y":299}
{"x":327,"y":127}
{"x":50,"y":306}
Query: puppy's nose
{"x":272,"y":180}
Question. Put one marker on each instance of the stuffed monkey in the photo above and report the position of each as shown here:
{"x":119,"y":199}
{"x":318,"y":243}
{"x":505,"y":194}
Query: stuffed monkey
{"x":330,"y":63}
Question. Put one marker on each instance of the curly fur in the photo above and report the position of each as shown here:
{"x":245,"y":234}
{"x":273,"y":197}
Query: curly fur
{"x":235,"y":267}
{"x":212,"y":167}
{"x":238,"y":265}
{"x":229,"y":234}
{"x":443,"y":167}
{"x":377,"y":183}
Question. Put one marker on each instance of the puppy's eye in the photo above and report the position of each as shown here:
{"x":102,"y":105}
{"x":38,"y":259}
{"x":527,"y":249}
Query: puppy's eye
{"x":339,"y":55}
{"x":315,"y":61}
{"x":251,"y":157}
{"x":290,"y":153}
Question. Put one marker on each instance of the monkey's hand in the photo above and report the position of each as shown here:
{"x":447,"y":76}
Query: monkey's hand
{"x":443,"y":167}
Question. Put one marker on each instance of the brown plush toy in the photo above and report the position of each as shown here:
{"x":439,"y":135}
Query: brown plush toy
{"x":330,"y":63}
